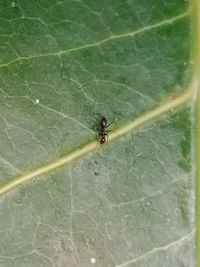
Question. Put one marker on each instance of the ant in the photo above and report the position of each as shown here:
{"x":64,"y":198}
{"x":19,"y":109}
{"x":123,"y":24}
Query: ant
{"x":103,"y":135}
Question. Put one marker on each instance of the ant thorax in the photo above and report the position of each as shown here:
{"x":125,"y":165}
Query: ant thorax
{"x":103,"y":122}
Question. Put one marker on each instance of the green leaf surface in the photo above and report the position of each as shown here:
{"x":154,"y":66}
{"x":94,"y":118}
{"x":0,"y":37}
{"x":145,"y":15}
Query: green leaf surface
{"x":63,"y":65}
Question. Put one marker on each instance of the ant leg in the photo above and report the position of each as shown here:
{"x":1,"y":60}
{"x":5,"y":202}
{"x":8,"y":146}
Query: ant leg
{"x":110,"y":131}
{"x":110,"y":123}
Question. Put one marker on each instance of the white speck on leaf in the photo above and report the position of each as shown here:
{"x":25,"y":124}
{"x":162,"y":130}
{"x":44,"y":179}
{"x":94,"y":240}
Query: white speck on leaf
{"x":93,"y":260}
{"x":37,"y":101}
{"x":13,"y":4}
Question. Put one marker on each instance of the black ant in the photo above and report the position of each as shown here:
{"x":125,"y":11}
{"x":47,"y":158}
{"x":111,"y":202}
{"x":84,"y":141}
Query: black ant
{"x":103,"y":135}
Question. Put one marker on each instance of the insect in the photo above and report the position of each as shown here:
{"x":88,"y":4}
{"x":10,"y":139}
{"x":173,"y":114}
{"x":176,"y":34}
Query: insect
{"x":103,"y":134}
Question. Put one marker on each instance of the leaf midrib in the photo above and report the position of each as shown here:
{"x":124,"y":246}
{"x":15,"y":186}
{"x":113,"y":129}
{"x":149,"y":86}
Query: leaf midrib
{"x":163,"y":108}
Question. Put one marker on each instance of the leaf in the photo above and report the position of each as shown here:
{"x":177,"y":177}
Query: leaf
{"x":129,"y":202}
